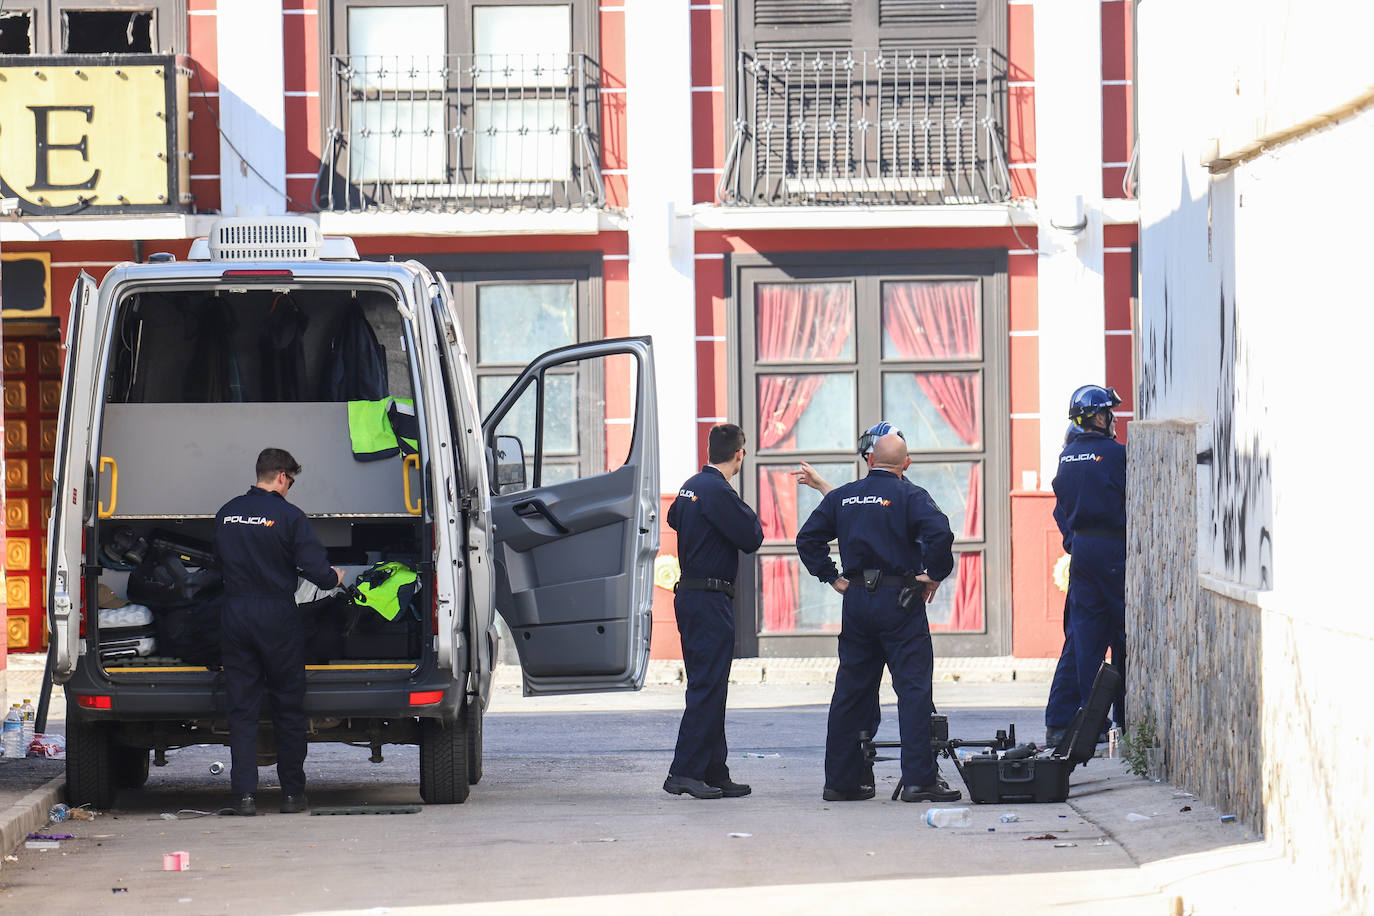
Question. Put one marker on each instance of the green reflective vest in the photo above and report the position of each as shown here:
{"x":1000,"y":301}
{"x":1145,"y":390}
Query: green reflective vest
{"x":383,"y":428}
{"x":386,"y":588}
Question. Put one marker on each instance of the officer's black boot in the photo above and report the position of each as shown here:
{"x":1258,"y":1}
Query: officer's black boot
{"x":245,"y":806}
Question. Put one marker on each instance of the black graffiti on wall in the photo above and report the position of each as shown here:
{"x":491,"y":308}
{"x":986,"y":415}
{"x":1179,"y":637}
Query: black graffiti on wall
{"x":1157,"y":365}
{"x":1241,"y":470}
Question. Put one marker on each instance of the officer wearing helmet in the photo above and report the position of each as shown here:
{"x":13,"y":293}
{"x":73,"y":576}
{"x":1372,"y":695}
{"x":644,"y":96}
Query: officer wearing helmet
{"x":895,"y":548}
{"x":1090,"y":509}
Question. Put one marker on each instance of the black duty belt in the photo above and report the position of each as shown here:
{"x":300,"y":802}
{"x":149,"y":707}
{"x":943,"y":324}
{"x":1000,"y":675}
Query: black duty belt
{"x":689,"y":583}
{"x":1109,"y":534}
{"x":874,"y":579}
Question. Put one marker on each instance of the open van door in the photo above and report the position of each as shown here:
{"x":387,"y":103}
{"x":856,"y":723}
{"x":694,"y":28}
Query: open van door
{"x":574,"y":475}
{"x":72,"y":478}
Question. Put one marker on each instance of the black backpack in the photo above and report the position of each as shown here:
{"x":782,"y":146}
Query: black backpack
{"x":175,"y":574}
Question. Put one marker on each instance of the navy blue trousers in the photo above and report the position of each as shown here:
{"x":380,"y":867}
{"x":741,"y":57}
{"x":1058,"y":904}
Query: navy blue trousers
{"x":1095,"y":621}
{"x":706,"y":623}
{"x":263,"y":646}
{"x":875,"y":632}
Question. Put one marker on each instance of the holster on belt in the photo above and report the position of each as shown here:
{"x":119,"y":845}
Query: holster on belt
{"x":872,"y":579}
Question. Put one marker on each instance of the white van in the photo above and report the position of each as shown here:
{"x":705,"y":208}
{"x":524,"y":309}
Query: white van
{"x":179,"y":373}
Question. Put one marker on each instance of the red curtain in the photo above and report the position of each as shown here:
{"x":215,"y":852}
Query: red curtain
{"x":935,"y":320}
{"x":795,"y":322}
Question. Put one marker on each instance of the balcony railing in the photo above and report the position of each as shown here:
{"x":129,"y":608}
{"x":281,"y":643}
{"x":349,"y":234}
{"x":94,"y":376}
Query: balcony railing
{"x":463,"y":133}
{"x":887,"y":126}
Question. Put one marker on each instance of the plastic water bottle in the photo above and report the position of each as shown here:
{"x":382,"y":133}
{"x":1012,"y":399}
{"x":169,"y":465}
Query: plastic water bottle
{"x":13,"y":736}
{"x":59,"y":813}
{"x":27,"y":715}
{"x":948,"y":817}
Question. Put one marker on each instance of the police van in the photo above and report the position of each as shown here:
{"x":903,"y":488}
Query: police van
{"x":178,"y":373}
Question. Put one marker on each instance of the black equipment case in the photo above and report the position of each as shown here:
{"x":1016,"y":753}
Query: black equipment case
{"x":1011,"y":773}
{"x":1019,"y":776}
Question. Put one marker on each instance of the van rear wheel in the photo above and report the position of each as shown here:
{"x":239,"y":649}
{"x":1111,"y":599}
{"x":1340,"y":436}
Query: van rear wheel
{"x":444,"y":761}
{"x":90,"y":762}
{"x":130,"y":766}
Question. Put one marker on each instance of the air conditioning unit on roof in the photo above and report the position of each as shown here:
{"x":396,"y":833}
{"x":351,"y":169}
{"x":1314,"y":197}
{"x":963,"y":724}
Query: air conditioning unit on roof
{"x":279,"y":238}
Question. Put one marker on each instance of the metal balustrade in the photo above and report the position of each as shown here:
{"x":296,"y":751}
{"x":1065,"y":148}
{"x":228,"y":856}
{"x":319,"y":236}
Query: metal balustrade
{"x":463,"y":133}
{"x":885,"y":126}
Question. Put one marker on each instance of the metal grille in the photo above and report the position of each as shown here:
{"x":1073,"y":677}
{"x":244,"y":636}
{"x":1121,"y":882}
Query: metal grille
{"x":463,"y":133}
{"x":273,"y":239}
{"x":896,"y":125}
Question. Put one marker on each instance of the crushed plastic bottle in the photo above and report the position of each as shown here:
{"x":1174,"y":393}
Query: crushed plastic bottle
{"x":27,"y":716}
{"x":12,"y":739}
{"x":948,"y":817}
{"x":59,"y":813}
{"x":1009,"y":818}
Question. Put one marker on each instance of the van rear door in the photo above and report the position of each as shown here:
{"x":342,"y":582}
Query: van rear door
{"x":574,"y":541}
{"x":72,"y":478}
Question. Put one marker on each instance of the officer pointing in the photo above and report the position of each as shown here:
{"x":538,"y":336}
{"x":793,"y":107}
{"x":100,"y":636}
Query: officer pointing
{"x":1090,"y":508}
{"x":888,"y":528}
{"x":264,"y":543}
{"x":713,"y":525}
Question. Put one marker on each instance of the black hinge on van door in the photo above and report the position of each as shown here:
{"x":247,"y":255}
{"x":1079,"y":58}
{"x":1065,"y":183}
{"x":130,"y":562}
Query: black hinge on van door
{"x":89,"y":570}
{"x":425,"y":567}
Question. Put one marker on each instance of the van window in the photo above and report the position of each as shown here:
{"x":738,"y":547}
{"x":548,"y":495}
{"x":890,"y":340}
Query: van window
{"x":257,"y":346}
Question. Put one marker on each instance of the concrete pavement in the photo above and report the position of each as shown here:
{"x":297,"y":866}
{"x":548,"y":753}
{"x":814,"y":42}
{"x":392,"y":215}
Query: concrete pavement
{"x":1175,"y":860}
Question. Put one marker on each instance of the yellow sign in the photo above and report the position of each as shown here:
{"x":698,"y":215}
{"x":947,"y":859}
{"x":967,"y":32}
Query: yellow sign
{"x":81,"y":137}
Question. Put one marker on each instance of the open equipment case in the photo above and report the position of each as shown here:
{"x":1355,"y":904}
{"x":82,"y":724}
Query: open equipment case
{"x":1007,"y":772}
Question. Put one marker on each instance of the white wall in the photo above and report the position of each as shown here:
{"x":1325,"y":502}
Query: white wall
{"x":1068,"y":141}
{"x":662,"y":273}
{"x":1257,"y":323}
{"x":252,"y":107}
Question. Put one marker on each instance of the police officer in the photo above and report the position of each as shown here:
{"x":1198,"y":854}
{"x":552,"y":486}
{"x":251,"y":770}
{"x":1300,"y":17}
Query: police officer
{"x":264,"y":543}
{"x":887,"y":529}
{"x":713,"y":525}
{"x":1090,"y":508}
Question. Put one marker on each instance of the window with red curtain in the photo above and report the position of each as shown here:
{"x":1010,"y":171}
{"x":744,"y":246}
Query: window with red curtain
{"x":796,"y":323}
{"x":933,"y":320}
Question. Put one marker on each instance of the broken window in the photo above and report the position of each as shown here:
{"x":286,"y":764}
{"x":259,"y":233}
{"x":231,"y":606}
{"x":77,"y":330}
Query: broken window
{"x":107,"y":31}
{"x":16,"y":32}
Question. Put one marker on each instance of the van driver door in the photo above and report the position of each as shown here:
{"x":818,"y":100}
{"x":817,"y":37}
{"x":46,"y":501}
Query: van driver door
{"x":72,"y":481}
{"x":573,"y":459}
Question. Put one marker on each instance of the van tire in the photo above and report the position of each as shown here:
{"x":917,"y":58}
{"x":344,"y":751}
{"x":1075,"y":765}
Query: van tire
{"x":444,"y":761}
{"x":473,"y":713}
{"x":130,"y":766}
{"x":90,"y":762}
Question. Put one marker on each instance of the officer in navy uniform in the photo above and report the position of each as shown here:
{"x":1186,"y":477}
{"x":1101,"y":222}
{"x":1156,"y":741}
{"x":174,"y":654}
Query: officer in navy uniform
{"x":713,"y":525}
{"x":888,"y":528}
{"x":1090,"y":508}
{"x":264,"y":543}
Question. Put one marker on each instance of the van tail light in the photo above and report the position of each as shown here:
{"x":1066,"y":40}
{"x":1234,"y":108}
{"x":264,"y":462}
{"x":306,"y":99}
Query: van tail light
{"x":95,"y":701}
{"x":252,"y":274}
{"x":426,"y":697}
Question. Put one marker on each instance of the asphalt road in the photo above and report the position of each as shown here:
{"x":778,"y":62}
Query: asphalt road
{"x":571,"y":816}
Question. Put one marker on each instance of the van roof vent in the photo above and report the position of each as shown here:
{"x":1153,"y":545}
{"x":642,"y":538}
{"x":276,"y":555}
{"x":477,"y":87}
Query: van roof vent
{"x":279,"y":238}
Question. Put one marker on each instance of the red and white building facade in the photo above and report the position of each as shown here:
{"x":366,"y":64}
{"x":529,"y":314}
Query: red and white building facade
{"x":825,"y":212}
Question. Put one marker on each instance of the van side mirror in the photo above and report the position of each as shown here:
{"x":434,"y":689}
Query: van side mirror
{"x":509,"y":464}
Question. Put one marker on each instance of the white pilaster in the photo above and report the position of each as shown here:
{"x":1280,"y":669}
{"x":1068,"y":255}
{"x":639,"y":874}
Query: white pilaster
{"x":252,"y":107}
{"x":662,"y":269}
{"x":1068,"y":153}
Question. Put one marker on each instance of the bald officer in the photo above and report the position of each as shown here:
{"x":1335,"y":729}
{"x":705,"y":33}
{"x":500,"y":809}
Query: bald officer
{"x":888,"y":529}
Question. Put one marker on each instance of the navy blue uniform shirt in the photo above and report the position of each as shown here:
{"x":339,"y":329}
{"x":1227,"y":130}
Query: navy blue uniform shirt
{"x":884,"y":522}
{"x":262,"y":540}
{"x":713,"y":525}
{"x":1090,"y":487}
